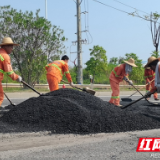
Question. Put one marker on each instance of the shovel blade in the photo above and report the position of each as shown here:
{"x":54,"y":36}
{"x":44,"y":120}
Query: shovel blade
{"x":87,"y":89}
{"x":126,"y":99}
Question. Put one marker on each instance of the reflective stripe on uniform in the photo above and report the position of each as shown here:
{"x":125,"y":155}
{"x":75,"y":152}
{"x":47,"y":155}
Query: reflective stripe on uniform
{"x":115,"y":71}
{"x":66,"y":72}
{"x":149,"y":76}
{"x":115,"y":97}
{"x":62,"y":62}
{"x":9,"y":73}
{"x":1,"y":71}
{"x":56,"y":67}
{"x":1,"y":58}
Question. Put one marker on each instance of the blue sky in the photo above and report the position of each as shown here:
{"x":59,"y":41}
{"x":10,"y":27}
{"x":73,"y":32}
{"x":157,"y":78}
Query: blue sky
{"x":117,"y":32}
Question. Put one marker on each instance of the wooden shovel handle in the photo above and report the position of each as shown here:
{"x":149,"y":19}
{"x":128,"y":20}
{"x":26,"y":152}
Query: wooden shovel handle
{"x":31,"y":87}
{"x":71,"y":85}
{"x":136,"y":101}
{"x":9,"y":100}
{"x":150,"y":82}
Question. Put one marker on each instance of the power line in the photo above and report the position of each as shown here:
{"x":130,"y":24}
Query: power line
{"x":132,"y":13}
{"x":110,"y":6}
{"x":87,"y":23}
{"x":130,"y":6}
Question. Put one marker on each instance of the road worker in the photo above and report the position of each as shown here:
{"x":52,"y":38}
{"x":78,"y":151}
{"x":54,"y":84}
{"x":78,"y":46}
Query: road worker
{"x":5,"y":63}
{"x":55,"y":71}
{"x":154,"y":64}
{"x":149,"y":76}
{"x":119,"y":74}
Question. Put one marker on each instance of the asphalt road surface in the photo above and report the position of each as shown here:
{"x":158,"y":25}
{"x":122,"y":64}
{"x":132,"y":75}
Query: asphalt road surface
{"x":105,"y":98}
{"x":104,"y":146}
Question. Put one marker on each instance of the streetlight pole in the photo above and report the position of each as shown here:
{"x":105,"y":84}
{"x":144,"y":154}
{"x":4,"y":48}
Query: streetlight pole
{"x":46,"y":9}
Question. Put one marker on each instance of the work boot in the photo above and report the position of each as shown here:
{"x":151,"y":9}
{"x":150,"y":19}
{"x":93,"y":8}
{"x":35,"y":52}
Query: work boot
{"x":156,"y":99}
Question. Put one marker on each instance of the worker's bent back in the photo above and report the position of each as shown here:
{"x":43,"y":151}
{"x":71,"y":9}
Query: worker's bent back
{"x":57,"y":69}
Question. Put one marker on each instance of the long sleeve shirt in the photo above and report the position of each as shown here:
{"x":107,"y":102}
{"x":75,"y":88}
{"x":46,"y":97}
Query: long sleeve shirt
{"x":5,"y":66}
{"x":118,"y":73}
{"x":149,"y":75}
{"x":58,"y":69}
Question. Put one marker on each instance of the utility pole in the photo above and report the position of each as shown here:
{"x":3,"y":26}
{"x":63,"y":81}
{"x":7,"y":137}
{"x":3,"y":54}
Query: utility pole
{"x":79,"y":46}
{"x":46,"y":9}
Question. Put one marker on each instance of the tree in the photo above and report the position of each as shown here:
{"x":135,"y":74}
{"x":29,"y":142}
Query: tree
{"x":40,"y":41}
{"x":73,"y":73}
{"x":113,"y":60}
{"x":120,"y":60}
{"x":137,"y":73}
{"x":155,"y":54}
{"x":98,"y":61}
{"x":155,"y":31}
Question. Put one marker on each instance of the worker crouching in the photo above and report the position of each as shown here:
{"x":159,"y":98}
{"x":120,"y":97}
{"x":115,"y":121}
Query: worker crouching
{"x":119,"y":74}
{"x":154,"y":64}
{"x":149,"y":76}
{"x":55,"y":72}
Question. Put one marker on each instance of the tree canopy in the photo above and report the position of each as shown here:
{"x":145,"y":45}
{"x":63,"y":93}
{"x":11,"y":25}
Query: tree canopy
{"x":40,"y":41}
{"x":137,"y":73}
{"x":98,"y":61}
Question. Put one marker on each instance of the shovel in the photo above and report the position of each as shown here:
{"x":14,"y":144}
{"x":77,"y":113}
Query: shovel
{"x":129,"y":99}
{"x":137,"y":101}
{"x":13,"y":104}
{"x":30,"y":87}
{"x":138,"y":91}
{"x":86,"y":89}
{"x":33,"y":89}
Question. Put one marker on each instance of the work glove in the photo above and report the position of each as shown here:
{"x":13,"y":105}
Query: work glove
{"x":125,"y":78}
{"x":19,"y":79}
{"x":148,"y":83}
{"x":130,"y":82}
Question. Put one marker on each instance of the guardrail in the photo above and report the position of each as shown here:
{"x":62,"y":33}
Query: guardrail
{"x":98,"y":86}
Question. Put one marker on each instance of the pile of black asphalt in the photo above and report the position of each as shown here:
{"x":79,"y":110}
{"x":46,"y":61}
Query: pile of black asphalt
{"x":72,"y":111}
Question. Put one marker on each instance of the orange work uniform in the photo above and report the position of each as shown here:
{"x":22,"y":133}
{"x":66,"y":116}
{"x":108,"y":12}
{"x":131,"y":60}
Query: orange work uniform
{"x":55,"y":72}
{"x":115,"y":78}
{"x":149,"y":75}
{"x":5,"y":67}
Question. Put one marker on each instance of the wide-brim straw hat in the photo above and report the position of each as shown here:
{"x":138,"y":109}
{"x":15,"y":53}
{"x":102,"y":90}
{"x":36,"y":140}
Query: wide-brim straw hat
{"x":150,"y":60}
{"x":131,"y":62}
{"x":8,"y":41}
